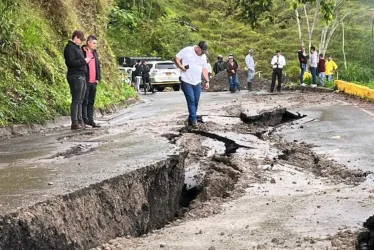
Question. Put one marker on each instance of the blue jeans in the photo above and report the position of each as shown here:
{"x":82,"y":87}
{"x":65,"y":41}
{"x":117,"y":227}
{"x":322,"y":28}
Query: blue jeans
{"x":233,"y":82}
{"x":313,"y":71}
{"x":237,"y":80}
{"x":192,"y":94}
{"x":138,"y":80}
{"x":322,"y":77}
{"x":330,"y":78}
{"x":303,"y":69}
{"x":251,"y":75}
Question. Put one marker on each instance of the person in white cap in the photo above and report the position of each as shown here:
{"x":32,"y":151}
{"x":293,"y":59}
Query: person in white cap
{"x":250,"y":63}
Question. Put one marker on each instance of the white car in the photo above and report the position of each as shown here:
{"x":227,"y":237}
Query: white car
{"x":126,"y":74}
{"x":164,"y":74}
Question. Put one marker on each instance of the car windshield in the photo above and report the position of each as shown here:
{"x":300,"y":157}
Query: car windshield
{"x":165,"y":66}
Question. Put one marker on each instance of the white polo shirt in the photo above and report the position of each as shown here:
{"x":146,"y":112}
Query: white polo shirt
{"x":196,"y":65}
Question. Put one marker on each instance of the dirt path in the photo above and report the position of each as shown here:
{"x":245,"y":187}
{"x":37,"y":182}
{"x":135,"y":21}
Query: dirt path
{"x":249,"y":188}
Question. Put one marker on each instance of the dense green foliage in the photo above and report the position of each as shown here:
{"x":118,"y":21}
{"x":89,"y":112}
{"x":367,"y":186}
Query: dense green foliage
{"x":33,"y":84}
{"x":179,"y":23}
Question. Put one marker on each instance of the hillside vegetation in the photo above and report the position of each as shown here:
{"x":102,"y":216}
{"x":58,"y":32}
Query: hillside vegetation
{"x":33,"y":34}
{"x":162,"y":28}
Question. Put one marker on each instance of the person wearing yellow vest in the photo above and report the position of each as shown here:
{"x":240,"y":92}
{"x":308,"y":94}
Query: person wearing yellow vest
{"x":331,"y":67}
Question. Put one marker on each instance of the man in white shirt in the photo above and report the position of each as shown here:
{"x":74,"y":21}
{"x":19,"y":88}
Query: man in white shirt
{"x":313,"y":65}
{"x":251,"y":68}
{"x":278,"y":62}
{"x":194,"y":64}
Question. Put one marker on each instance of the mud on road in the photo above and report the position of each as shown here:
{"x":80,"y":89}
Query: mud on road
{"x":248,"y":187}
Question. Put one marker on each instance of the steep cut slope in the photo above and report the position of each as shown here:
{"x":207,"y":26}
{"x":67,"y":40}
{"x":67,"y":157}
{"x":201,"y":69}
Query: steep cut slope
{"x":33,"y":34}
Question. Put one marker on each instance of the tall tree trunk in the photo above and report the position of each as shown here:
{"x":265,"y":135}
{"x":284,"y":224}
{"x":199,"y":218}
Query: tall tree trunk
{"x":334,"y":25}
{"x":323,"y":39}
{"x":313,"y":25}
{"x":343,"y":43}
{"x":308,"y":26}
{"x":315,"y":19}
{"x":299,"y":26}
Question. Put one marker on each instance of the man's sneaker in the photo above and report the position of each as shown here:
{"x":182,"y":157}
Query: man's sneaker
{"x":94,"y":125}
{"x":75,"y":126}
{"x":303,"y":84}
{"x":313,"y":85}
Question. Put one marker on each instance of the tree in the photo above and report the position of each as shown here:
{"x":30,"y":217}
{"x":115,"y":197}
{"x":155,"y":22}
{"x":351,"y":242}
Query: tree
{"x":329,"y":30}
{"x":252,"y":10}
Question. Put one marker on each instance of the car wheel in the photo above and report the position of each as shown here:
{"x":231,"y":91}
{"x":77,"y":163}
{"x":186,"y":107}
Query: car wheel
{"x":160,"y":89}
{"x":176,"y":87}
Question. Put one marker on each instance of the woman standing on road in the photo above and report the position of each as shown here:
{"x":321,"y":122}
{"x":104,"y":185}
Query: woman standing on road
{"x":232,"y":68}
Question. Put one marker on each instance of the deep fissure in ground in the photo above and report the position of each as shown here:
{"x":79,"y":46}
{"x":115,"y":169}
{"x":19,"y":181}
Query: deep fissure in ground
{"x":150,"y":197}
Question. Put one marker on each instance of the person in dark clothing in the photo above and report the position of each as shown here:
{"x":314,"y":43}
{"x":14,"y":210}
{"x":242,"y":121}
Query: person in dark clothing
{"x":232,"y":68}
{"x":278,"y":62}
{"x":303,"y":59}
{"x":93,"y":77}
{"x":321,"y":69}
{"x":144,"y":68}
{"x":219,"y":66}
{"x":138,"y":74}
{"x":76,"y":76}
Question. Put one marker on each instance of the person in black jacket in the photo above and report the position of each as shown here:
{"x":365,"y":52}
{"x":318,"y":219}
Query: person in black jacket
{"x":220,"y":65}
{"x":303,"y":61}
{"x":76,"y":76}
{"x":144,"y":68}
{"x":93,"y":77}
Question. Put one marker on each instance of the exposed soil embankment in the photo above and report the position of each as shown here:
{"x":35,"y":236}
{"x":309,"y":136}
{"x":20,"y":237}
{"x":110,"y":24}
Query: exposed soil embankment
{"x":129,"y":204}
{"x":220,"y":82}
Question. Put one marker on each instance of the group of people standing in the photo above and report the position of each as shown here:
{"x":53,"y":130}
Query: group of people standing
{"x":231,"y":66}
{"x":318,"y":66}
{"x":84,"y":73}
{"x":141,"y":73}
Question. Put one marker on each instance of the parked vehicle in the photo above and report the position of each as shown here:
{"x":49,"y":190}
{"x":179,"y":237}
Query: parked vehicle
{"x":126,"y":74}
{"x":164,"y":74}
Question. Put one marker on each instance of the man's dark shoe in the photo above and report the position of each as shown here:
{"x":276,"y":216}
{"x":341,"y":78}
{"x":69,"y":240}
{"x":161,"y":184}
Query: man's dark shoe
{"x":86,"y":121}
{"x":75,"y":126}
{"x":249,"y":86}
{"x":82,"y":124}
{"x":94,"y":125}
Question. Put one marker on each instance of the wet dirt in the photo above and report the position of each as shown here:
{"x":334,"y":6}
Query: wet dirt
{"x":220,"y":82}
{"x":269,"y":194}
{"x":301,"y":155}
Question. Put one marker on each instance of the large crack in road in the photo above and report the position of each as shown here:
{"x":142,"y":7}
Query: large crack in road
{"x":233,"y":183}
{"x":249,"y":160}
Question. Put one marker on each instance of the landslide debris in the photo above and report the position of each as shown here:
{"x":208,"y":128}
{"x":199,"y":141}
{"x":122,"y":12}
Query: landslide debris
{"x":301,"y":155}
{"x":220,"y":82}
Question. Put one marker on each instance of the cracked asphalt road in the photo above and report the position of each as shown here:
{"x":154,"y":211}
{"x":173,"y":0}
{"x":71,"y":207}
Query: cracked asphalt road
{"x":283,"y":215}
